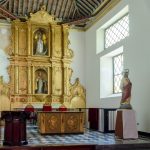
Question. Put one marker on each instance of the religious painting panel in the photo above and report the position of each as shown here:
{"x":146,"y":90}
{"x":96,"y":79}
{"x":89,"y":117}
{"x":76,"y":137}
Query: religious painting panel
{"x":57,"y":81}
{"x":58,"y":42}
{"x":22,"y":40}
{"x":41,"y":81}
{"x":40,"y":42}
{"x":23,"y":80}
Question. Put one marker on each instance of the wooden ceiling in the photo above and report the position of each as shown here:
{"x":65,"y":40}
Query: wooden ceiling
{"x":75,"y":12}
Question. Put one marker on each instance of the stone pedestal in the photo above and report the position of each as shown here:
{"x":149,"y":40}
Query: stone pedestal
{"x":126,"y":125}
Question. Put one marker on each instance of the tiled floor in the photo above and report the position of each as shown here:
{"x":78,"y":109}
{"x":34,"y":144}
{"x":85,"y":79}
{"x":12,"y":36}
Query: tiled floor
{"x":89,"y":137}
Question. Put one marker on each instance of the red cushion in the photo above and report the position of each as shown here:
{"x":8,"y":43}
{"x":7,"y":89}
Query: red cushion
{"x":47,"y":108}
{"x":30,"y":109}
{"x":62,"y":109}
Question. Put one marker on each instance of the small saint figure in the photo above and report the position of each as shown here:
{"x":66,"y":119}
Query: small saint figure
{"x":41,"y":84}
{"x":125,"y":86}
{"x":40,"y":46}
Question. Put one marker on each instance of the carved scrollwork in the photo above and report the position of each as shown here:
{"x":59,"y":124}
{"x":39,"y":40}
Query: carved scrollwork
{"x":77,"y":95}
{"x":42,"y":16}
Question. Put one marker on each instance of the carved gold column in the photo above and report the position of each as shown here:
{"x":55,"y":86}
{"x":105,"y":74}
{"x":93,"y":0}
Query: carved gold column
{"x":49,"y":43}
{"x":29,"y":80}
{"x":16,"y":79}
{"x":65,"y":39}
{"x":16,"y":40}
{"x":29,"y":38}
{"x":53,"y":40}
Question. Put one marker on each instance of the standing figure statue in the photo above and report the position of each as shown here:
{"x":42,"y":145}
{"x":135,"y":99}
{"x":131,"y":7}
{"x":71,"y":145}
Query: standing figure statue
{"x":125,"y":86}
{"x":41,"y":84}
{"x":40,"y":47}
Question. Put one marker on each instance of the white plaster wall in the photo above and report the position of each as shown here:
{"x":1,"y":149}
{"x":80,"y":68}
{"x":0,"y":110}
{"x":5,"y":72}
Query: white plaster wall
{"x":136,"y":58}
{"x":77,"y":44}
{"x":4,"y":63}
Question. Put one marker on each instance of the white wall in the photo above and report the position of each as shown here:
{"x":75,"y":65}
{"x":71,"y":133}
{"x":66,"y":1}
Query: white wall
{"x":136,"y":58}
{"x":77,"y":44}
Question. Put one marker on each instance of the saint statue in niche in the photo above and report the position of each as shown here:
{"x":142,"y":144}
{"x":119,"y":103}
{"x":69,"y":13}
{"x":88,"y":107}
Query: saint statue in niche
{"x":40,"y":43}
{"x":41,"y":86}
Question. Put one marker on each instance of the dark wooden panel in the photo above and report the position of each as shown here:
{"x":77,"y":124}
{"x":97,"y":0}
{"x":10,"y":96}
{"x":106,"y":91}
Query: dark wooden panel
{"x":70,"y":147}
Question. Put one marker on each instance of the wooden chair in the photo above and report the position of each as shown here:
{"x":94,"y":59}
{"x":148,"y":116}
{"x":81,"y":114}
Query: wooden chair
{"x":33,"y":115}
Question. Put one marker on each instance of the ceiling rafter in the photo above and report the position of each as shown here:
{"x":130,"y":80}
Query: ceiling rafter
{"x":10,"y":5}
{"x":100,"y":7}
{"x":34,"y":7}
{"x":25,"y":7}
{"x":53,"y":7}
{"x":60,"y":10}
{"x":55,"y":12}
{"x":77,"y":10}
{"x":73,"y":13}
{"x":96,"y":2}
{"x":19,"y":7}
{"x":89,"y":5}
{"x":3,"y":2}
{"x":39,"y":4}
{"x":64,"y":9}
{"x":71,"y":8}
{"x":67,"y":9}
{"x":6,"y":13}
{"x":29,"y":6}
{"x":45,"y":3}
{"x":86,"y":7}
{"x":92,"y":4}
{"x":83,"y":10}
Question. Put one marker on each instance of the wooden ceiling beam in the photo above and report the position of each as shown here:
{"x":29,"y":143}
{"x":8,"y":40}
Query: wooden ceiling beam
{"x":76,"y":8}
{"x":53,"y":7}
{"x":96,"y":2}
{"x":29,"y":6}
{"x":40,"y":2}
{"x":57,"y":7}
{"x":60,"y":10}
{"x":10,"y":5}
{"x":7,"y":13}
{"x":64,"y":9}
{"x":73,"y":14}
{"x":5,"y":3}
{"x":92,"y":4}
{"x":83,"y":11}
{"x":67,"y":9}
{"x":86,"y":7}
{"x":101,"y":6}
{"x":46,"y":3}
{"x":89,"y":5}
{"x":34,"y":7}
{"x":49,"y":5}
{"x":71,"y":9}
{"x":20,"y":3}
{"x":2,"y":2}
{"x":25,"y":7}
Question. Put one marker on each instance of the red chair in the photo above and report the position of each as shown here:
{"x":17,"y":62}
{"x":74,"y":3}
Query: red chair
{"x":47,"y":107}
{"x":33,"y":116}
{"x":62,"y":108}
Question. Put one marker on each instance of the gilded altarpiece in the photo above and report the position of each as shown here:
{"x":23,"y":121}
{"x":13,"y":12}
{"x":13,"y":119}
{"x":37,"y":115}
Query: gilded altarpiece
{"x":40,"y":61}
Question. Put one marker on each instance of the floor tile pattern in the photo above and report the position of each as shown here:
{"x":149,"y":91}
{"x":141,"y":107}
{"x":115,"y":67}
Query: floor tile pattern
{"x":89,"y":137}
